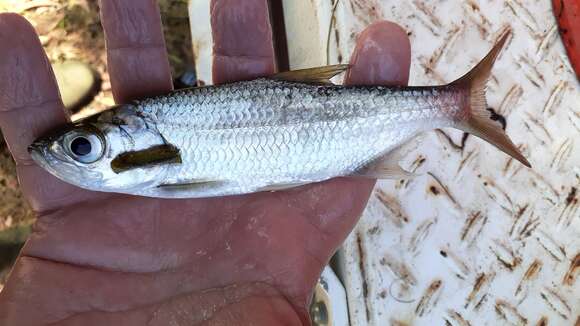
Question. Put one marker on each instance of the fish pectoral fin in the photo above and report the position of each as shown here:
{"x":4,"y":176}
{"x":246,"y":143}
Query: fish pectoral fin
{"x":188,"y":186}
{"x":159,"y":154}
{"x":281,"y":186}
{"x":320,"y":75}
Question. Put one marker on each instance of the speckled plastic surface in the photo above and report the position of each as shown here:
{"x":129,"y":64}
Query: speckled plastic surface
{"x":477,"y":239}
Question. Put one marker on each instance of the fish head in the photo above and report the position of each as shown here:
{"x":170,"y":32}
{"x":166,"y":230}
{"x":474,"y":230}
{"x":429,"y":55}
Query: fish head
{"x":83,"y":154}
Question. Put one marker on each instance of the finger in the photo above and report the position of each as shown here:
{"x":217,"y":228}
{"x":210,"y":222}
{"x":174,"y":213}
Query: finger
{"x":382,"y":56}
{"x":30,"y":106}
{"x":242,"y":35}
{"x":136,"y":55}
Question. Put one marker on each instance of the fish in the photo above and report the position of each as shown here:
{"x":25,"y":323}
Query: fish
{"x":267,"y":134}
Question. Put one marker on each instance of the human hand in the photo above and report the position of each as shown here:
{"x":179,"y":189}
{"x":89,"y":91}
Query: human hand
{"x":110,"y":259}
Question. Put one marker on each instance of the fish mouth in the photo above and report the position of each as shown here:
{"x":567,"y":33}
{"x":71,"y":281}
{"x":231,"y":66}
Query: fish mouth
{"x":41,"y":157}
{"x":56,"y":166}
{"x":49,"y":162}
{"x":34,"y":148}
{"x":36,"y":151}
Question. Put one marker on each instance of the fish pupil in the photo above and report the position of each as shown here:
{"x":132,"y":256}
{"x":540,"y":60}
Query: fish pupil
{"x":80,"y":146}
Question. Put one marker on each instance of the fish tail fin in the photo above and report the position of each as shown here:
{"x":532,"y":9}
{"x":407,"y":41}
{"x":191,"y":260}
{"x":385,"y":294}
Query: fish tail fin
{"x":477,"y":119}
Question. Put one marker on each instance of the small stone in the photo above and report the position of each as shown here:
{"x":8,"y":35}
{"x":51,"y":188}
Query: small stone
{"x":76,"y":81}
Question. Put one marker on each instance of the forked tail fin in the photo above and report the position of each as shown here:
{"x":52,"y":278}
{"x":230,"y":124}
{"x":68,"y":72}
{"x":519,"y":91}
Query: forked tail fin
{"x":478,"y":120}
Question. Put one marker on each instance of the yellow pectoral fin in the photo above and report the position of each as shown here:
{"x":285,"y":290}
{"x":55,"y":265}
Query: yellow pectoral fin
{"x":160,"y":154}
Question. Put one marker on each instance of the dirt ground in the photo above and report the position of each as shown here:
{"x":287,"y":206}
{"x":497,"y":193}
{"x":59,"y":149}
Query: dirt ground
{"x":71,"y":29}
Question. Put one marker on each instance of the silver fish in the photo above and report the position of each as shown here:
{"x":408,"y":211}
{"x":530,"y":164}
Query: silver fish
{"x":266,"y":134}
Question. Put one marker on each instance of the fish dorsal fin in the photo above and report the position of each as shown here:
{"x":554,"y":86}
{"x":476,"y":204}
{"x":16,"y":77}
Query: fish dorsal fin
{"x":319,"y":75}
{"x":159,"y":154}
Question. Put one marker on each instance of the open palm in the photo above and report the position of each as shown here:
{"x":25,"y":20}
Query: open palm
{"x":108,"y":259}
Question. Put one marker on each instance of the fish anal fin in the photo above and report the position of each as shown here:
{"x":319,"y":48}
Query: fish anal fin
{"x":384,"y":168}
{"x":319,"y":75}
{"x":387,"y":166}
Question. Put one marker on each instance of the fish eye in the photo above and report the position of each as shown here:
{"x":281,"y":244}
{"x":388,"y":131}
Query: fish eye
{"x":80,"y":146}
{"x":85,"y":148}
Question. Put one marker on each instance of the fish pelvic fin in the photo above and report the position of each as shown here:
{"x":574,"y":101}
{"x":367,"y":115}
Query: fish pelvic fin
{"x":478,"y":120}
{"x":282,"y":186}
{"x":319,"y":75}
{"x":188,"y":186}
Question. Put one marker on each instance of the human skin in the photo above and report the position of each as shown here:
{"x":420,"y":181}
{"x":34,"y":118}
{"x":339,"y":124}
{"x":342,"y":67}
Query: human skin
{"x":110,"y":259}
